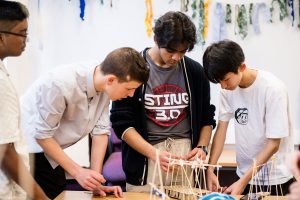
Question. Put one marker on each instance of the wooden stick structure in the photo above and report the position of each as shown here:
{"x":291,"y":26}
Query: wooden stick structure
{"x":259,"y":177}
{"x":154,"y":190}
{"x":184,"y":175}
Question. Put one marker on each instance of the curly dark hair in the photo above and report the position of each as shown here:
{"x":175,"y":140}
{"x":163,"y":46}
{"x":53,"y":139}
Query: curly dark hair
{"x":174,"y":28}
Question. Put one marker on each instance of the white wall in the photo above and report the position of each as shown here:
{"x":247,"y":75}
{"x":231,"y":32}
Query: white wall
{"x":57,"y":35}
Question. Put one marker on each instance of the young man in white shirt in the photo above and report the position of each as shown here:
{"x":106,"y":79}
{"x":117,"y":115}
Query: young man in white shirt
{"x":13,"y":155}
{"x":258,"y":102}
{"x":70,"y":102}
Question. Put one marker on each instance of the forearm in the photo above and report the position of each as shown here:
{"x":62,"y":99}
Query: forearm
{"x":270,"y":148}
{"x":205,"y":135}
{"x":99,"y":146}
{"x":52,"y":149}
{"x":135,"y":141}
{"x":15,"y":168}
{"x":218,"y":143}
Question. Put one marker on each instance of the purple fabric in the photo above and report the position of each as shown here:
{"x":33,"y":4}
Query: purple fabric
{"x":112,"y":169}
{"x":116,"y":142}
{"x":113,"y":138}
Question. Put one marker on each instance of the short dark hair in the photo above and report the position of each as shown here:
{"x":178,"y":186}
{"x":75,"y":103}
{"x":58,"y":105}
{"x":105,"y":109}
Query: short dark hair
{"x":11,"y":13}
{"x":126,"y":64}
{"x":221,"y":58}
{"x":174,"y":28}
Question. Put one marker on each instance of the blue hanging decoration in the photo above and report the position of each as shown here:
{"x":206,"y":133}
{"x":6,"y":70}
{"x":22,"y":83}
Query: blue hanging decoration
{"x":291,"y":5}
{"x":101,"y":1}
{"x":255,"y":19}
{"x":82,"y":8}
{"x":218,"y":23}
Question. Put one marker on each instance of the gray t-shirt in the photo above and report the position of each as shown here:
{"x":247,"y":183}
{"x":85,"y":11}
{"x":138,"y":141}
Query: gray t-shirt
{"x":166,"y":103}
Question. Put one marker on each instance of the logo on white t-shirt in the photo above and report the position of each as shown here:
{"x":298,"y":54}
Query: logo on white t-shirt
{"x":166,"y":106}
{"x":241,"y":116}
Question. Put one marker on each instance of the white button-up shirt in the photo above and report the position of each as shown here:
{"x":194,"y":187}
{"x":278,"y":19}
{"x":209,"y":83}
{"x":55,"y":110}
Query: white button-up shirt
{"x":10,"y":133}
{"x":64,"y":104}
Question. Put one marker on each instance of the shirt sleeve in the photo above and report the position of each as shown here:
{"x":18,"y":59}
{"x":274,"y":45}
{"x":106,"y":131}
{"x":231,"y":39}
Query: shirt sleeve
{"x":103,"y":124}
{"x":277,"y":114}
{"x":9,"y":114}
{"x":50,"y":108}
{"x":225,"y":111}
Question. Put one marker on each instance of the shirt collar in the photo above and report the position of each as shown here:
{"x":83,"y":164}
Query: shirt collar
{"x":91,"y":91}
{"x":2,"y":68}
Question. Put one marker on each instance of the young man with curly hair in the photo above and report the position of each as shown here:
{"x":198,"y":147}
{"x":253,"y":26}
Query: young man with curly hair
{"x":171,"y":112}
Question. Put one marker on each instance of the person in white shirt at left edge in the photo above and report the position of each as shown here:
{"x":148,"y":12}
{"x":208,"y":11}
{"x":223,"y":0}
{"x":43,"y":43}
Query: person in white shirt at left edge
{"x":68,"y":103}
{"x":13,"y":154}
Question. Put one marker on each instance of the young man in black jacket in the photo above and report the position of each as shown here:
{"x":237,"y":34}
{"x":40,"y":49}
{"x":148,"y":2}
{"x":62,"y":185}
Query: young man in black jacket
{"x":172,"y":112}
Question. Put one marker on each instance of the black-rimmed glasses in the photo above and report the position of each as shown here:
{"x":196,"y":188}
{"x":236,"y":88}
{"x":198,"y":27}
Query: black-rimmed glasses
{"x":16,"y":34}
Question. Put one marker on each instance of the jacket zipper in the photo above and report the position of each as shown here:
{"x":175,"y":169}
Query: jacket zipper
{"x":144,"y":172}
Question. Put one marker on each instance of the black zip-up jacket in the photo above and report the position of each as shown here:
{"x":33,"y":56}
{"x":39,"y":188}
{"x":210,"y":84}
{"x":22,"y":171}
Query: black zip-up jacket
{"x":130,"y":112}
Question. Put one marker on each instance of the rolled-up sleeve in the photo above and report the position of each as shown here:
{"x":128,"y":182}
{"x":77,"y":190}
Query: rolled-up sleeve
{"x":103,"y":124}
{"x":50,"y":108}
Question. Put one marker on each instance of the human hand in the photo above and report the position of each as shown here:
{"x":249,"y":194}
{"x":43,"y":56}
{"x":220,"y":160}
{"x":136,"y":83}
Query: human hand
{"x":104,"y":190}
{"x":196,"y":153}
{"x":212,"y":181}
{"x":236,"y":188}
{"x":89,"y":179}
{"x":165,"y":158}
{"x":294,"y":191}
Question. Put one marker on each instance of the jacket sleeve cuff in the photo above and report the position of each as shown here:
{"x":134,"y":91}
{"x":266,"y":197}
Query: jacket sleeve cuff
{"x":125,"y":132}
